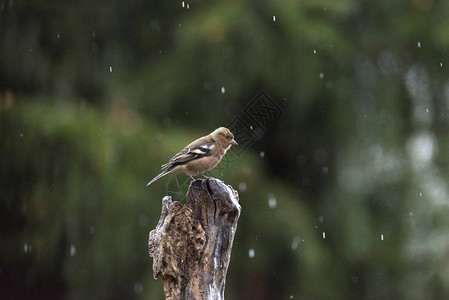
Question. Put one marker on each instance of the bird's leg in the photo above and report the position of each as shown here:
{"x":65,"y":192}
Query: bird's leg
{"x":206,"y":177}
{"x":193,"y":178}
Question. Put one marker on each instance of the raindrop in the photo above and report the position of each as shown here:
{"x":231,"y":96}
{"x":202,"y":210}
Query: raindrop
{"x":419,"y":44}
{"x":262,"y":154}
{"x":325,"y":170}
{"x":138,"y":287}
{"x":314,"y":51}
{"x":420,"y":194}
{"x":291,"y":296}
{"x":274,"y":18}
{"x":58,"y":36}
{"x":321,"y":75}
{"x":223,"y":90}
{"x":427,"y":110}
{"x":182,"y":3}
{"x":242,"y":186}
{"x":251,"y":127}
{"x":143,"y":220}
{"x":410,"y":214}
{"x":441,"y":64}
{"x":21,"y":135}
{"x":251,"y":253}
{"x":92,"y":230}
{"x":381,"y":237}
{"x":324,"y":235}
{"x":321,"y":219}
{"x":110,"y":69}
{"x":72,"y":250}
{"x":272,"y":202}
{"x":295,"y":243}
{"x":188,"y":6}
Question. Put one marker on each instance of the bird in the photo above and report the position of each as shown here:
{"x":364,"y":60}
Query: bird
{"x":200,"y":155}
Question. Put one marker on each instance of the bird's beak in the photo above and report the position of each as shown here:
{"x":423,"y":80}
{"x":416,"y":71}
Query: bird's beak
{"x":233,"y":142}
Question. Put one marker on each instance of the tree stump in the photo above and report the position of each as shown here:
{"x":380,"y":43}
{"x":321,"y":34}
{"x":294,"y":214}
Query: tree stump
{"x":191,"y":245}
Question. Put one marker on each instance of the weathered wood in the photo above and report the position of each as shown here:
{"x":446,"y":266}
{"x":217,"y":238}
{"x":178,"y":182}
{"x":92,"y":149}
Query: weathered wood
{"x":191,"y":245}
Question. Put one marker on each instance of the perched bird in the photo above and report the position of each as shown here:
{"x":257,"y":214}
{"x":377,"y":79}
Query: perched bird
{"x":201,"y":155}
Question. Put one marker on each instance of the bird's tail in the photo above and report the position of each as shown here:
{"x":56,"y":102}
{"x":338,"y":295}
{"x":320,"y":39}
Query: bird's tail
{"x":163,"y":173}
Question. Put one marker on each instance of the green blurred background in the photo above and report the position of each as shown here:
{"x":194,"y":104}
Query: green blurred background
{"x":344,"y":196}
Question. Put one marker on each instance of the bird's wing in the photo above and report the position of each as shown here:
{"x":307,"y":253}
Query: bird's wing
{"x":189,"y":154}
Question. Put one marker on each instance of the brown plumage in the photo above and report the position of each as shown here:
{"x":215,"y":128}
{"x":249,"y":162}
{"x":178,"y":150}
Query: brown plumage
{"x":201,"y":155}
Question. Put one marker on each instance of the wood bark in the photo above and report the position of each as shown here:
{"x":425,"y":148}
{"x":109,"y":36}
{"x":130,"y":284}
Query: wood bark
{"x":191,"y":245}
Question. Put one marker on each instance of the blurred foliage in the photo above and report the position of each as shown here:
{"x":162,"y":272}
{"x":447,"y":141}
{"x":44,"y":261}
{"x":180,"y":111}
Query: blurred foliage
{"x":345,"y":196}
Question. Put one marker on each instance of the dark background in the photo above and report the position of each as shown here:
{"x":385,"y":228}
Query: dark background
{"x":344,"y":192}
